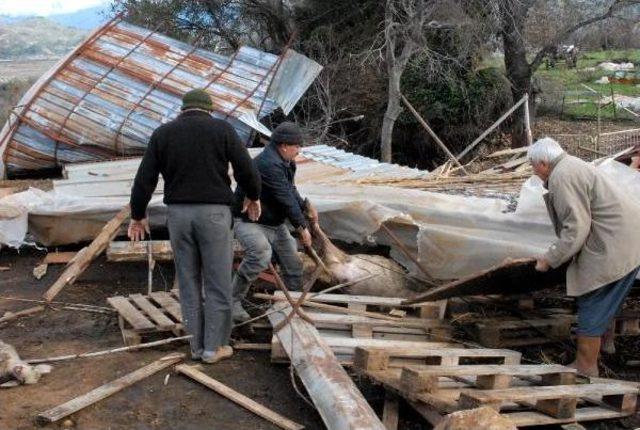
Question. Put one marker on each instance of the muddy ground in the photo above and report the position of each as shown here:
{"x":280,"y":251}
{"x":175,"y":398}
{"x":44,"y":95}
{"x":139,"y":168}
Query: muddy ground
{"x":149,"y":404}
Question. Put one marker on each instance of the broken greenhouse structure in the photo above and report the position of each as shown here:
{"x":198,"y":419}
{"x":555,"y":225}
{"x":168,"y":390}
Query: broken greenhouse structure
{"x":105,"y":98}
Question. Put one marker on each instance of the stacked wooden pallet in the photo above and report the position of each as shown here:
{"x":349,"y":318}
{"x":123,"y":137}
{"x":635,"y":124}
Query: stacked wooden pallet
{"x":439,"y":381}
{"x":346,"y":322}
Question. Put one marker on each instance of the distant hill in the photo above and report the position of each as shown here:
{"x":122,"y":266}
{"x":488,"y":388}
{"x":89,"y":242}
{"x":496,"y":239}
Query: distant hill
{"x":36,"y":37}
{"x":85,"y":19}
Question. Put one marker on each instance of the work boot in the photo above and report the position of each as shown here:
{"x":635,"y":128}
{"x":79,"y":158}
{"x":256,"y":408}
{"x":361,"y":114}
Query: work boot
{"x":238,"y":313}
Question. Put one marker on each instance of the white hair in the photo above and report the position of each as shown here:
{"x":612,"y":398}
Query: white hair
{"x":545,"y":150}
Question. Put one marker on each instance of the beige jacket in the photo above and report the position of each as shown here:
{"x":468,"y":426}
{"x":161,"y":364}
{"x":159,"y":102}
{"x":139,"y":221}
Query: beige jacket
{"x":597,"y":225}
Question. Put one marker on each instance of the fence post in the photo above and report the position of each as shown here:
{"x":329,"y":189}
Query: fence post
{"x":527,"y":120}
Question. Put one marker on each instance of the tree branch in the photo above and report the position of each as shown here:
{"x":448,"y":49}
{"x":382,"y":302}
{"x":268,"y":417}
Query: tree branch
{"x":562,"y":35}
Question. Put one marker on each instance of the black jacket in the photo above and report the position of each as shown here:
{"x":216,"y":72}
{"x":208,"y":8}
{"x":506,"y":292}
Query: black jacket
{"x":279,"y":197}
{"x":193,"y":153}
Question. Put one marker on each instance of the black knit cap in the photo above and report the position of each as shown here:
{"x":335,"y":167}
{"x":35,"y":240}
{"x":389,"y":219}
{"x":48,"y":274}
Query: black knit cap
{"x":287,"y":133}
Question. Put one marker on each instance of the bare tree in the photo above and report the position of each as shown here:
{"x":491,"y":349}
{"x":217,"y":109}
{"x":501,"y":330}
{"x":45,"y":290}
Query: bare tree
{"x":406,"y":24}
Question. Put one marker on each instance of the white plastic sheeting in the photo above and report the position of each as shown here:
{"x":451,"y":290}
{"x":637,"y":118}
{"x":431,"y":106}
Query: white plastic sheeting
{"x":453,"y":236}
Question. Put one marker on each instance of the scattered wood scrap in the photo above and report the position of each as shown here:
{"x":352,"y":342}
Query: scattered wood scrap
{"x":99,"y":244}
{"x":513,"y":277}
{"x":240,"y":399}
{"x":106,"y":390}
{"x":338,"y":400}
{"x":9,"y":316}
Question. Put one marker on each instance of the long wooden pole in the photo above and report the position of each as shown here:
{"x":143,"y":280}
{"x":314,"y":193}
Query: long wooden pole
{"x":240,"y":399}
{"x":108,"y":351}
{"x":493,"y":126}
{"x":435,"y":137}
{"x":87,"y":254}
{"x":527,"y":121}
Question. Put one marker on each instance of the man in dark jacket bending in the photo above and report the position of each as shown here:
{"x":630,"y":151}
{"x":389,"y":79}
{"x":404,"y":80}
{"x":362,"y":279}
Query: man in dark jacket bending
{"x":193,"y":153}
{"x":280,"y":201}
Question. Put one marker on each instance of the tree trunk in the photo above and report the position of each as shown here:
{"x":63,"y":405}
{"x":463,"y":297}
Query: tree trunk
{"x":518,"y":69}
{"x":394,"y":108}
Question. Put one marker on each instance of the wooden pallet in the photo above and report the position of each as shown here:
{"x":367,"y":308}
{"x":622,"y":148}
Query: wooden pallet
{"x":513,"y":333}
{"x":528,"y":395}
{"x":140,"y":316}
{"x":628,"y":324}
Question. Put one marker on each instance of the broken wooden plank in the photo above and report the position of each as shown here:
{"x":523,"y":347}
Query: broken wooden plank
{"x":108,"y":389}
{"x":238,"y":398}
{"x":127,"y":251}
{"x":513,"y":277}
{"x":71,"y":273}
{"x":338,"y":400}
{"x":9,"y":316}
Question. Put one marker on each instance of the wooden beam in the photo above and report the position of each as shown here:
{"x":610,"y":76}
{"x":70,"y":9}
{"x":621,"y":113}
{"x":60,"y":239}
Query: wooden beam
{"x":106,"y":390}
{"x":514,"y":277}
{"x":238,"y":398}
{"x":338,"y":400}
{"x":87,"y":254}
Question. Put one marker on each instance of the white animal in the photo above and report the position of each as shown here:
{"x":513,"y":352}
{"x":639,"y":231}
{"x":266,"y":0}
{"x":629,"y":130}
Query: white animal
{"x":17,"y":371}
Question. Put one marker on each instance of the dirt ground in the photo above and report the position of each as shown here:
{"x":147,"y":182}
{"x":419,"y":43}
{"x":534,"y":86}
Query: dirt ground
{"x":149,"y":404}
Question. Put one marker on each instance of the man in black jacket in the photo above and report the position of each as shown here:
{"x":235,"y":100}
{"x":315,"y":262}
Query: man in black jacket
{"x":193,"y":153}
{"x":270,"y":235}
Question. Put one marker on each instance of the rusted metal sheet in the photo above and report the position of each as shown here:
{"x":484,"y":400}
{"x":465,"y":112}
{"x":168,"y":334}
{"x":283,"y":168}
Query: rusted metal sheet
{"x":106,"y":97}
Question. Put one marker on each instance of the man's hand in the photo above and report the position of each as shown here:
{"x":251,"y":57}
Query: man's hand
{"x":305,"y":237}
{"x":252,"y":208}
{"x":137,"y":228}
{"x":542,"y":265}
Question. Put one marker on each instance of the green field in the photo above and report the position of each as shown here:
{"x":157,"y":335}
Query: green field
{"x":561,"y":83}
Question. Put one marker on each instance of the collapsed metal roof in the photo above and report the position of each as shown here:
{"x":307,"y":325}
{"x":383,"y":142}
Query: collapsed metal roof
{"x":107,"y":96}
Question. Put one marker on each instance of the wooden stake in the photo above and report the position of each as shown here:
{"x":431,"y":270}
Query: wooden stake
{"x":493,"y":126}
{"x":435,"y":137}
{"x":87,"y":254}
{"x":238,"y":398}
{"x":106,"y":390}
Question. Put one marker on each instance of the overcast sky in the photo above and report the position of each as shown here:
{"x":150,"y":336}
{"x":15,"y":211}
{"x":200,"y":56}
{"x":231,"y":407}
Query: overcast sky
{"x":45,"y":7}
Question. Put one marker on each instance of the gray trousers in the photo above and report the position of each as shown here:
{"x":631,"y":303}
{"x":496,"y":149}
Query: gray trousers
{"x":259,"y":243}
{"x":203,"y":252}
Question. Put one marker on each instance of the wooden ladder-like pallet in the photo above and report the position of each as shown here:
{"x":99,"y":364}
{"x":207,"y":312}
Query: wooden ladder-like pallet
{"x":140,"y":316}
{"x":441,"y":381}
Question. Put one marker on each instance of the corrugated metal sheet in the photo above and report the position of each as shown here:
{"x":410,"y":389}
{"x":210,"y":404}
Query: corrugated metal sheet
{"x":359,"y":165}
{"x":104,"y":99}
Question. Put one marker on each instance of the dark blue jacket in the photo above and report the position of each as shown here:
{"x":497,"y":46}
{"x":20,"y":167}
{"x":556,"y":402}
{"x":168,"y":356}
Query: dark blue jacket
{"x":279,"y":196}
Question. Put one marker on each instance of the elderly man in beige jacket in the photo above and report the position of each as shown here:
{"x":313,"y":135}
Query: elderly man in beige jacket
{"x":598,"y":232}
